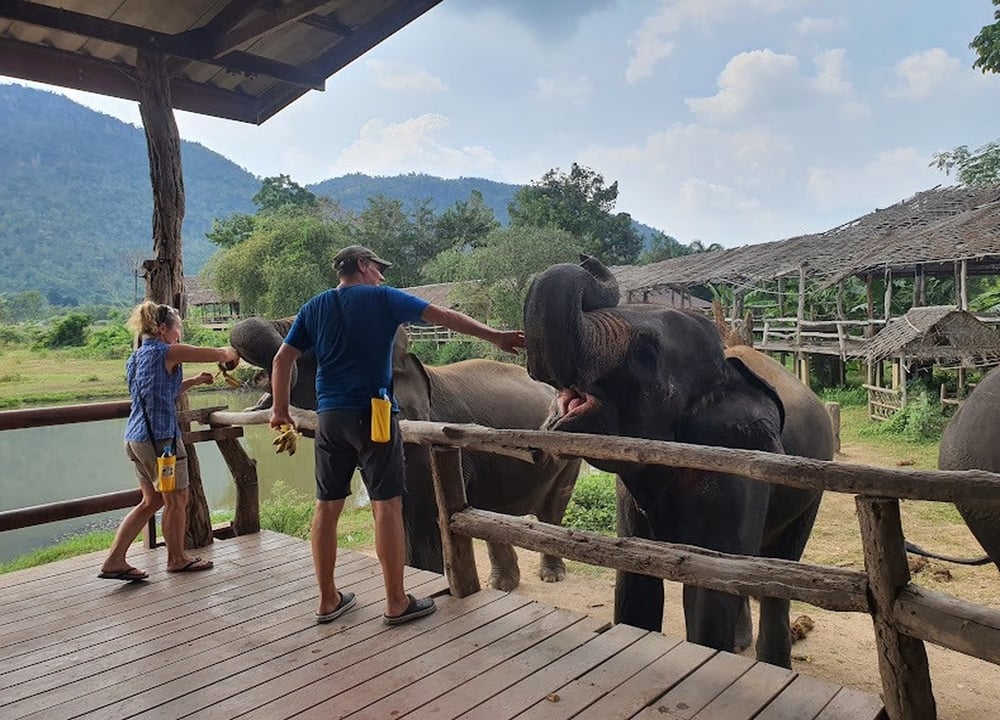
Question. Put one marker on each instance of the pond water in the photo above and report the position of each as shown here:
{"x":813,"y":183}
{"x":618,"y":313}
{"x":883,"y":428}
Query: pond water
{"x":44,"y":465}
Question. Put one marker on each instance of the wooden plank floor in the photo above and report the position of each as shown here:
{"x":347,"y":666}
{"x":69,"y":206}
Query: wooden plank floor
{"x":239,"y":641}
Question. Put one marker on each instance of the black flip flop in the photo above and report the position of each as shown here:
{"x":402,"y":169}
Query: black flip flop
{"x":129,"y":575}
{"x":416,"y":609}
{"x":347,"y":601}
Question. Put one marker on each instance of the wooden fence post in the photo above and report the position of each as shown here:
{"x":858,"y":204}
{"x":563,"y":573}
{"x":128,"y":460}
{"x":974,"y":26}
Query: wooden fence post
{"x":833,"y":410}
{"x":902,"y":660}
{"x":449,"y":491}
{"x":246,"y":519}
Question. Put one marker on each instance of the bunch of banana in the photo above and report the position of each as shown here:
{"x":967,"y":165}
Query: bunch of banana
{"x":288,"y":436}
{"x":230,"y":380}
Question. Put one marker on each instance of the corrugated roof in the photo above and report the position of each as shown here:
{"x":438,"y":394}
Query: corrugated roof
{"x":237,"y":59}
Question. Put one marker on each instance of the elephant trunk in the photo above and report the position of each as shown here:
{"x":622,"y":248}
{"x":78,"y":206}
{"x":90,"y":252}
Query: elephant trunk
{"x":557,"y":332}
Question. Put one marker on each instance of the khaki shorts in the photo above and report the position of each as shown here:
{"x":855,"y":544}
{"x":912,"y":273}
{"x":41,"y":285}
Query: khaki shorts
{"x":143,"y":456}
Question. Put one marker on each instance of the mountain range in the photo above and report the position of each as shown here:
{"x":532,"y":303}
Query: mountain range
{"x":76,"y":200}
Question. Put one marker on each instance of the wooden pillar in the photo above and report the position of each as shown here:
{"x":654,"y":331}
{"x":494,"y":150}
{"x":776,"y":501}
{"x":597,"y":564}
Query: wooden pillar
{"x":887,"y":298}
{"x":902,"y":382}
{"x":449,"y":490}
{"x":781,"y":296}
{"x":246,"y":519}
{"x":833,"y":410}
{"x":958,"y":284}
{"x":841,"y":315}
{"x":963,"y":292}
{"x":871,"y":305}
{"x":923,"y":285}
{"x":906,"y":682}
{"x":165,"y":272}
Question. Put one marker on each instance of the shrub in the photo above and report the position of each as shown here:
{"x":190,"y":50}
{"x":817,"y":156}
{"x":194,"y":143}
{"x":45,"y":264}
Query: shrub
{"x":456,"y":351}
{"x":919,"y":421}
{"x":110,"y":342}
{"x":70,"y":331}
{"x":592,"y":505}
{"x":849,"y":395}
{"x":287,"y":511}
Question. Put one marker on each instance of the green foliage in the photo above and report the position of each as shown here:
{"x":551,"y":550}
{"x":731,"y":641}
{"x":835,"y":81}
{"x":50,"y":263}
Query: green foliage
{"x":987,"y":45}
{"x":197,"y":334}
{"x":920,"y":420}
{"x":287,"y":511}
{"x":406,"y":238}
{"x":456,"y":351}
{"x":581,"y":204}
{"x":850,"y":395}
{"x":465,"y":223}
{"x":979,"y":167}
{"x":279,"y":192}
{"x":503,"y":265}
{"x":592,"y":505}
{"x":69,"y":331}
{"x":111,"y":342}
{"x":662,"y":247}
{"x":231,"y":230}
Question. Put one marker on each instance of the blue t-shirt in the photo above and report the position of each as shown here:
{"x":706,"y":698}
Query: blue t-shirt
{"x":353,"y":363}
{"x":148,"y":379}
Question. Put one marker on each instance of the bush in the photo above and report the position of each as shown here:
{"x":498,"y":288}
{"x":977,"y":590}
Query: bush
{"x":111,"y":342}
{"x":919,"y":421}
{"x":456,"y":351}
{"x":592,"y":505}
{"x":70,"y":331}
{"x":287,"y":511}
{"x":850,"y":395}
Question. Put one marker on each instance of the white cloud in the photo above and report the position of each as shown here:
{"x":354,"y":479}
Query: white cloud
{"x":389,"y":149}
{"x":751,"y":80}
{"x":703,"y":196}
{"x":889,"y":176}
{"x":576,"y":91}
{"x":652,"y":41}
{"x":921,"y":74}
{"x":819,"y":25}
{"x":397,"y":77}
{"x":829,"y":78}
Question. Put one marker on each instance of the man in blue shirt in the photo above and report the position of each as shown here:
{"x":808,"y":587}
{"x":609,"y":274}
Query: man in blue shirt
{"x":351,"y":330}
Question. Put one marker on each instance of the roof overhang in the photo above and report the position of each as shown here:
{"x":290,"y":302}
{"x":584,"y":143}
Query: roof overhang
{"x":236,"y":59}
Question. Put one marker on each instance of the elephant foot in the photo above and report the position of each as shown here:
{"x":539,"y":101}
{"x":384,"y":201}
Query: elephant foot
{"x":505,"y":582}
{"x":552,"y":571}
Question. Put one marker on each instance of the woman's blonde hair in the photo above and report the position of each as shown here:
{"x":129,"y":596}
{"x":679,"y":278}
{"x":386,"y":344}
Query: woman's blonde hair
{"x":147,"y":317}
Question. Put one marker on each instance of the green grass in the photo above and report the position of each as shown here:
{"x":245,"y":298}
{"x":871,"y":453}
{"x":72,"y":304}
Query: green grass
{"x":71,"y":547}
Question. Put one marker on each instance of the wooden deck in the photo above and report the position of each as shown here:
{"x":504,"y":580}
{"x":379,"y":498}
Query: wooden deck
{"x":240,"y":641}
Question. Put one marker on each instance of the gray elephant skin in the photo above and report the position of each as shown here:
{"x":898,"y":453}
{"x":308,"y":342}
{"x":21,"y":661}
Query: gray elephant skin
{"x":970,"y":442}
{"x":661,"y":373}
{"x":484,"y":392}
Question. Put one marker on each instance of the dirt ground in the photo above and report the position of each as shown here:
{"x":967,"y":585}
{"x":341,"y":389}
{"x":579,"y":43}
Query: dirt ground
{"x":841,"y":647}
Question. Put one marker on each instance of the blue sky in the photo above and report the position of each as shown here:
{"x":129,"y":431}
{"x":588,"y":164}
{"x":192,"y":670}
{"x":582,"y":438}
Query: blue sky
{"x":730,"y":121}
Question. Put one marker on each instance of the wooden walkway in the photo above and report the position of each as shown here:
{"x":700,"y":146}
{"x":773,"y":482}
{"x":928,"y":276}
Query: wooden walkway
{"x":240,"y":641}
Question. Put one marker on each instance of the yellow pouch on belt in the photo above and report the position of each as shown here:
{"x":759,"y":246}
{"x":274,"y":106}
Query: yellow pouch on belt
{"x":381,"y":424}
{"x":165,"y":478}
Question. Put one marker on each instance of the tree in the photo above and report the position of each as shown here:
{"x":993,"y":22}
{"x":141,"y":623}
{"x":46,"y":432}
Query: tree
{"x":981,"y":167}
{"x":466,"y":222}
{"x":502,"y":266}
{"x":697,"y":246}
{"x":580,"y":204}
{"x":406,"y":239}
{"x":278,"y":194}
{"x":987,"y":45}
{"x":662,"y":247}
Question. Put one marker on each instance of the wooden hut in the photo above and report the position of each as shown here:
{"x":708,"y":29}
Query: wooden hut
{"x":941,"y":336}
{"x":208,"y":307}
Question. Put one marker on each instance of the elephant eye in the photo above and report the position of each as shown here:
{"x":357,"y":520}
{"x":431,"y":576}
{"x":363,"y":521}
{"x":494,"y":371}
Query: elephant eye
{"x":646,"y":356}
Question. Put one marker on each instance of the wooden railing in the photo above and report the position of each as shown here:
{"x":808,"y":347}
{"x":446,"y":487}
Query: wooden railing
{"x":247,"y":513}
{"x":904,"y":615}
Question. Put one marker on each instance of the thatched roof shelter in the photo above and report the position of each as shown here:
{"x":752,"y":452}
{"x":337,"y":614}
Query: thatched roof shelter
{"x":237,"y":59}
{"x":942,"y":334}
{"x":934,"y":228}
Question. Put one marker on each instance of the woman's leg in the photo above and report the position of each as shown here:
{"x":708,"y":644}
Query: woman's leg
{"x":130,"y":528}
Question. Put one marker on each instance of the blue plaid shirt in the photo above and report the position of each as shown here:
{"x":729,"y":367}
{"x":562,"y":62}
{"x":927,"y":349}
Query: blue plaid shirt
{"x":147,"y":377}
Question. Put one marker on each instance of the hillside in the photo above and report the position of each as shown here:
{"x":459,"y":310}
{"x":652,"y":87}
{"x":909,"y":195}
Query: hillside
{"x":76,"y":202}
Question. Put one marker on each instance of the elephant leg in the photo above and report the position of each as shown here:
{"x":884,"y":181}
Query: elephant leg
{"x":638,"y":598}
{"x":423,"y":538}
{"x":551,"y":567}
{"x":504,"y":572}
{"x":710,"y":617}
{"x":774,"y":643}
{"x":744,"y":627}
{"x":983,"y":520}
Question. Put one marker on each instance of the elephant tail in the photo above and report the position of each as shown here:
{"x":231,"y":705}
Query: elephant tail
{"x":917,"y":550}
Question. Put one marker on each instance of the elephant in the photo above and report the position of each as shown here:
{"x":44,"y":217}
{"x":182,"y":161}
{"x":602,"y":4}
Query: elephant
{"x":484,"y":392}
{"x":969,"y":442}
{"x":662,"y":373}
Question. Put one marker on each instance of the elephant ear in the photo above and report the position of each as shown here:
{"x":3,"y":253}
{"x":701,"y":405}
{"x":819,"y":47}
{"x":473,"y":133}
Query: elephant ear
{"x":411,"y":386}
{"x":760,"y":383}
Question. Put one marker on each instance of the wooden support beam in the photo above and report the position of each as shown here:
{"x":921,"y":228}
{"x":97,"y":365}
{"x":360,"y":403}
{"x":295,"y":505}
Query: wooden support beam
{"x":964,"y":285}
{"x":902,"y":660}
{"x":189,"y":45}
{"x":449,"y":491}
{"x":887,"y":296}
{"x":329,"y":23}
{"x":283,"y":15}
